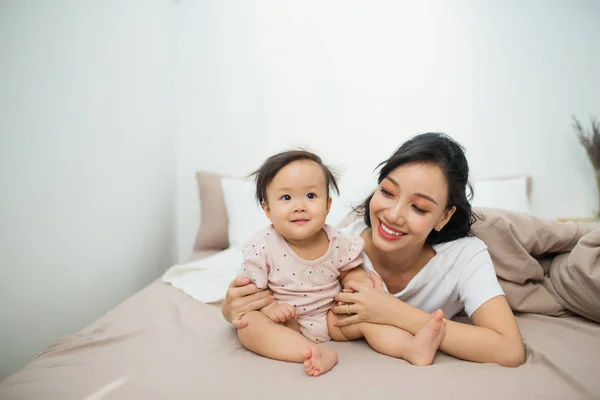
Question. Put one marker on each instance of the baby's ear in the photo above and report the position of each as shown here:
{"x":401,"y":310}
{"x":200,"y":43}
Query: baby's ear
{"x":329,"y":200}
{"x":266,"y":208}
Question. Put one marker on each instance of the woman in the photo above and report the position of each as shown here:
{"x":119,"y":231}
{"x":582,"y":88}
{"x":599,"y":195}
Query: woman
{"x":421,"y":256}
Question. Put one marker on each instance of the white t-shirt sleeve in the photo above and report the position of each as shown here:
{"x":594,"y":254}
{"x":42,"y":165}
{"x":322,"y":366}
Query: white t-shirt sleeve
{"x":478,"y":282}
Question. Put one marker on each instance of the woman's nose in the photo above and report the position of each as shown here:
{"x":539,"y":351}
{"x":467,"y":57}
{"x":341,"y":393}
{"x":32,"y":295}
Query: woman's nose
{"x":396,"y":214}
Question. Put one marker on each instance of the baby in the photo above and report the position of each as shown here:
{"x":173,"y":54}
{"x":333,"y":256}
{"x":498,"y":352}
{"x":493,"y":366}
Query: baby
{"x":302,"y":261}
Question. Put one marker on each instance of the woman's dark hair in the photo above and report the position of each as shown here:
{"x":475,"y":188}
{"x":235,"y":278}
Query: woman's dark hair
{"x":267,"y":171}
{"x":443,"y":151}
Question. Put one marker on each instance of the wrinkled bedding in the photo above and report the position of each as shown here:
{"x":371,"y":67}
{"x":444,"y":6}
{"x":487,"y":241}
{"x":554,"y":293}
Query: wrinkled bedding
{"x":545,"y":267}
{"x":163,"y":344}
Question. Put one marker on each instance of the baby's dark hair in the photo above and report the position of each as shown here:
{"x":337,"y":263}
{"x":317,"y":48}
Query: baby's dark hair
{"x":267,"y":171}
{"x":443,"y":151}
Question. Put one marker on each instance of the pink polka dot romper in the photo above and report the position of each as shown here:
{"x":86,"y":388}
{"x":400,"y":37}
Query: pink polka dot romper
{"x":308,"y":285}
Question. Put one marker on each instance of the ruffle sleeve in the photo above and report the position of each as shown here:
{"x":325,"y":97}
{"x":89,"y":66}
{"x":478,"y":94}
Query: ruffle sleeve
{"x":350,"y":252}
{"x":255,"y":265}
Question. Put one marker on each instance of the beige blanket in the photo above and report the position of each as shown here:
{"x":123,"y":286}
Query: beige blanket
{"x":544,"y":267}
{"x":162,"y":344}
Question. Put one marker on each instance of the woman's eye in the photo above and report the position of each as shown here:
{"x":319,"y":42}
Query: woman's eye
{"x":286,"y":197}
{"x":419,"y":210}
{"x":311,"y":196}
{"x":386,"y":193}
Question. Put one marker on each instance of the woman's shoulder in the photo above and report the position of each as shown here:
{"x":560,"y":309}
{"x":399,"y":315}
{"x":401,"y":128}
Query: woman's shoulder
{"x":350,"y":240}
{"x":355,"y":228}
{"x":463,"y":248}
{"x":465,"y":242}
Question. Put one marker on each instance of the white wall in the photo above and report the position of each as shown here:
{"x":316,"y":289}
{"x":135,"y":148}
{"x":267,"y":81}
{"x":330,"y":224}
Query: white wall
{"x":352,"y":80}
{"x":88,"y":151}
{"x":87,"y":163}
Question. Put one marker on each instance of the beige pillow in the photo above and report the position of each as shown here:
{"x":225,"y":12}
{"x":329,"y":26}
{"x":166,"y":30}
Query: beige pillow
{"x":212,"y":232}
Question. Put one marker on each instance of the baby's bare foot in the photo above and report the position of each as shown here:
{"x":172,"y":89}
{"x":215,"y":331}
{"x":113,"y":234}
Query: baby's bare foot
{"x":319,"y":360}
{"x":427,"y":340}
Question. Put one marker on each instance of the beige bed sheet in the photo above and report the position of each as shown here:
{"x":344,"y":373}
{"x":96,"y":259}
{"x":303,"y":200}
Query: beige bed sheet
{"x":162,"y":344}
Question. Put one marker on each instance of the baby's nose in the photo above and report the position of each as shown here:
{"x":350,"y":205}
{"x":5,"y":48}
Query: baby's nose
{"x":300,"y":206}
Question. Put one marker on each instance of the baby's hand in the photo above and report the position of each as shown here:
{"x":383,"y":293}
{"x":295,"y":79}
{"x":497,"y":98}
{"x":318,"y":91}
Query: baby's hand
{"x":281,"y":313}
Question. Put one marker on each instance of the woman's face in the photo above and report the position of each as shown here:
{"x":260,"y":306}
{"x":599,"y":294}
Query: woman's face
{"x":407,"y":205}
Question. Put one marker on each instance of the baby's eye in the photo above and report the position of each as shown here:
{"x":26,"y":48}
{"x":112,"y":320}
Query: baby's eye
{"x":286,"y":197}
{"x":311,"y":196}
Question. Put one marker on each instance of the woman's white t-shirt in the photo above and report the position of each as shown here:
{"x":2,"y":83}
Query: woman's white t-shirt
{"x":460,"y":276}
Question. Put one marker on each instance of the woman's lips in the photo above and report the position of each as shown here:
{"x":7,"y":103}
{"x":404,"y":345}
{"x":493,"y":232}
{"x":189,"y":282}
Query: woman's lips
{"x":388,"y":233}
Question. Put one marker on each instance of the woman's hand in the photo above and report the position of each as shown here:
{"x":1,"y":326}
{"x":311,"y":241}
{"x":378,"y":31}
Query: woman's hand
{"x":241,"y":298}
{"x":365,"y":303}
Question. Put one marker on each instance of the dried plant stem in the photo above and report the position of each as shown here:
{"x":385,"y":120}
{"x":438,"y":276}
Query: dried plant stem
{"x":597,"y":212}
{"x":591,"y":143}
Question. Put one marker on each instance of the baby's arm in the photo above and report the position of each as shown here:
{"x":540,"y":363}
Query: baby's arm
{"x":357,"y":274}
{"x":353,"y":269}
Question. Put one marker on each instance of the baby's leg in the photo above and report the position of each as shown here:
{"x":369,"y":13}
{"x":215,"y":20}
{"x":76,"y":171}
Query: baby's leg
{"x":342,"y":334}
{"x":285,"y":343}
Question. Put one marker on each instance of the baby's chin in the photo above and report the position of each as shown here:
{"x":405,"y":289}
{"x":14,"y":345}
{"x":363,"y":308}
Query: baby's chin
{"x":300,"y":234}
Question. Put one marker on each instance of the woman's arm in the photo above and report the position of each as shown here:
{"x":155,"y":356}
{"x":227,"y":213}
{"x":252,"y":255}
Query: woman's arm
{"x":495,"y":337}
{"x":241,"y":298}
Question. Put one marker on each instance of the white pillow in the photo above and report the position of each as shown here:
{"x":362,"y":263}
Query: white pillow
{"x":246,"y":216}
{"x":506,"y":193}
{"x":355,"y":184}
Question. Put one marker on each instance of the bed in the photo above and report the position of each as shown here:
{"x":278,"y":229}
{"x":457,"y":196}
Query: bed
{"x":163,"y":343}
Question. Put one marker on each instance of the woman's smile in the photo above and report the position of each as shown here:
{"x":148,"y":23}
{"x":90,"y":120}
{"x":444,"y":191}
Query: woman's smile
{"x":388,"y":233}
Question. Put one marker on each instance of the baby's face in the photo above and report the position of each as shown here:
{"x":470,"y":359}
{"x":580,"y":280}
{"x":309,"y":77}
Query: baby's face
{"x":297,"y":198}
